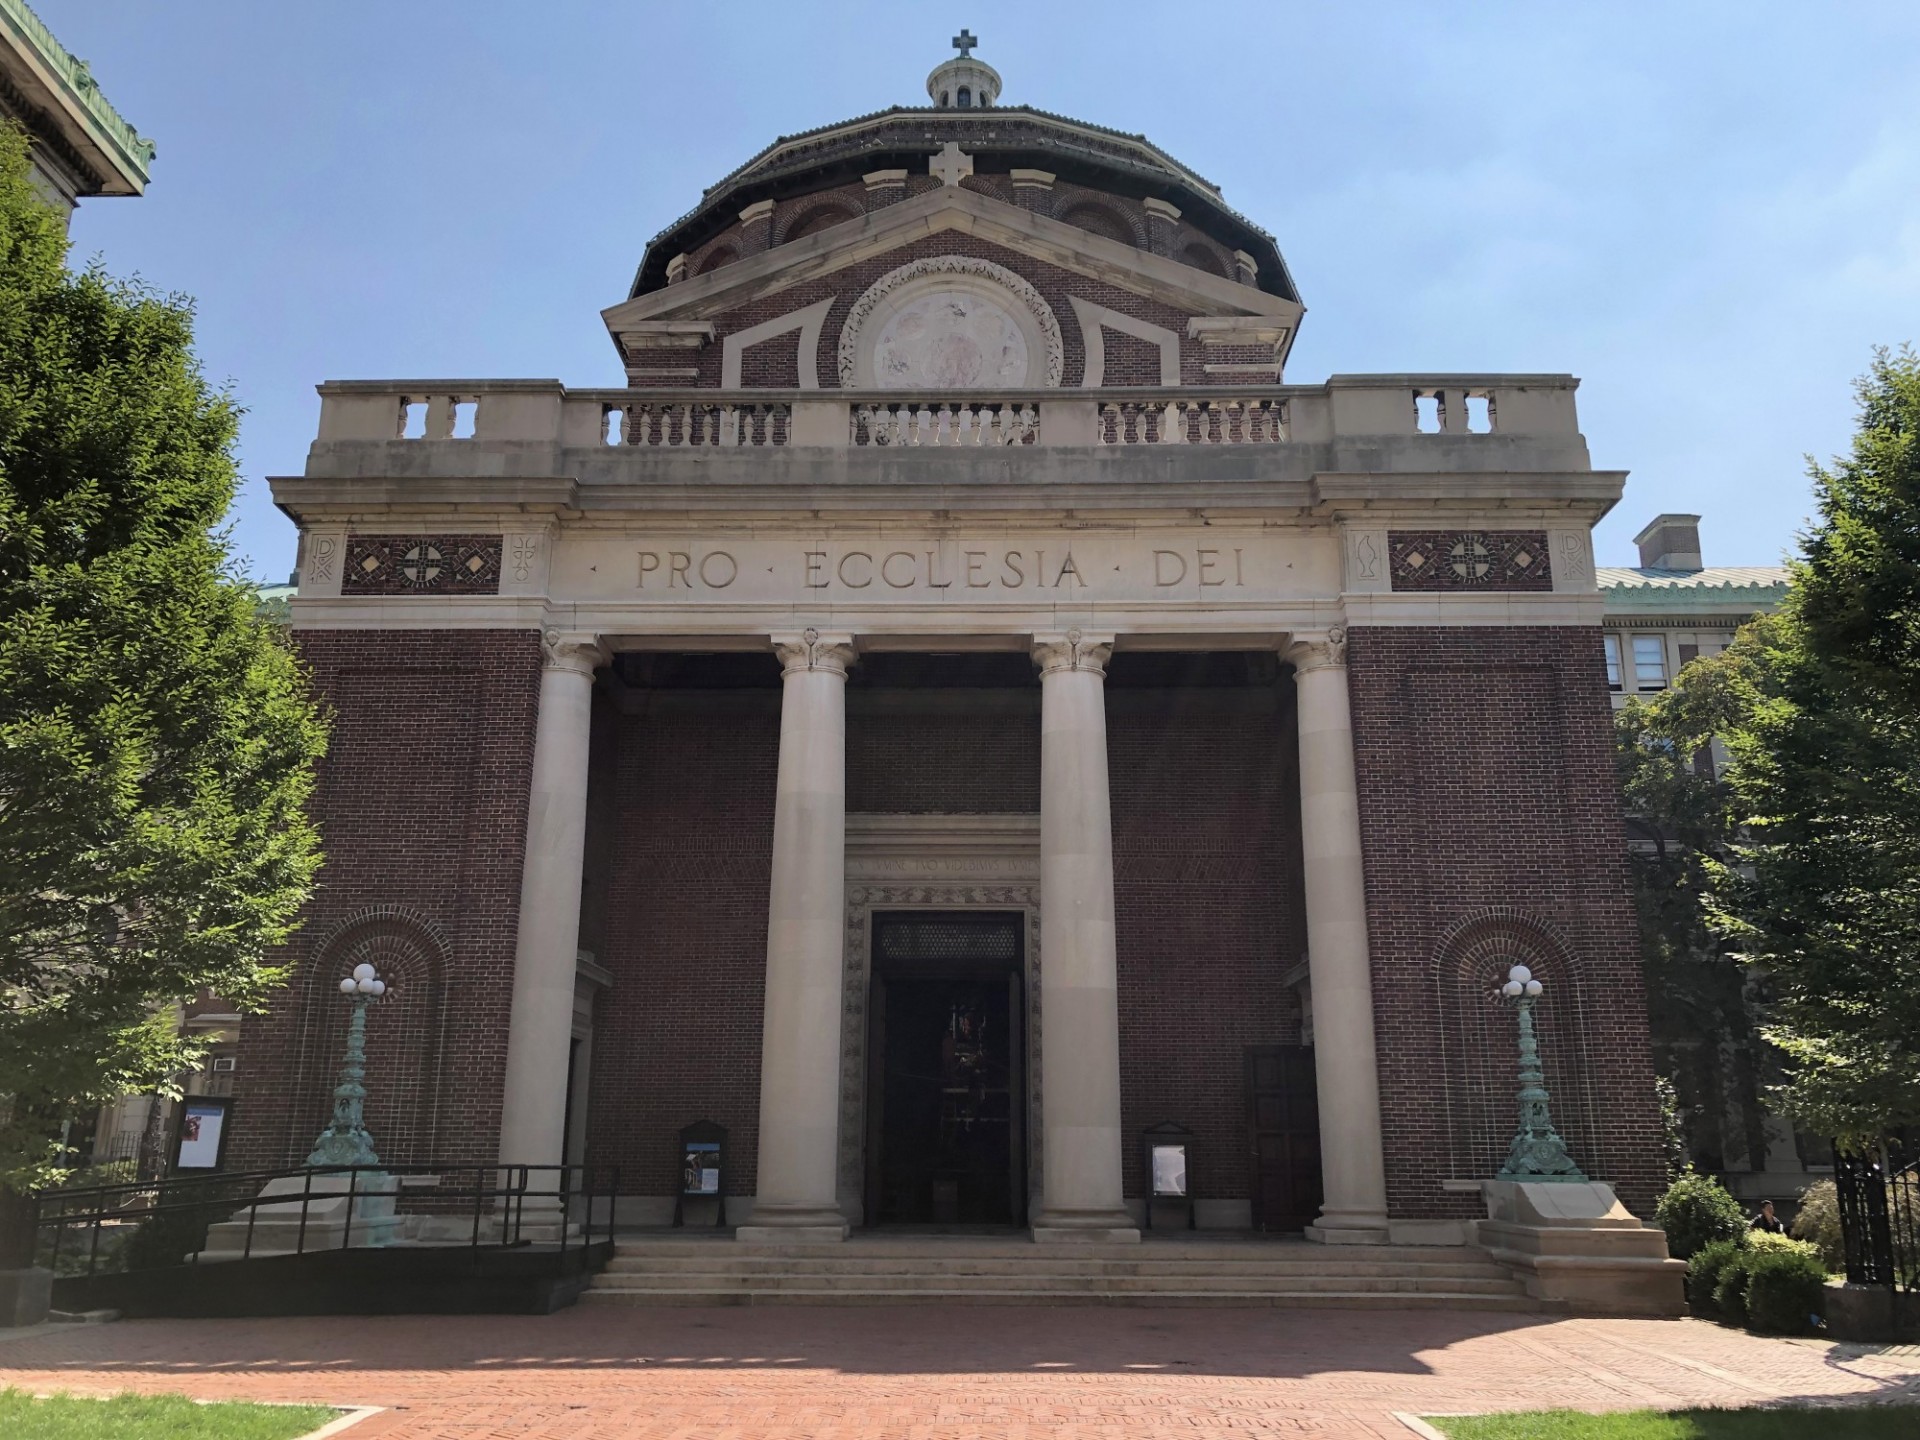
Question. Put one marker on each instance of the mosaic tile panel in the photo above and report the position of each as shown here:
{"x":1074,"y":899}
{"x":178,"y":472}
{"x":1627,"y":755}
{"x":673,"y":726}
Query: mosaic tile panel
{"x":1435,"y":560}
{"x":422,"y":565}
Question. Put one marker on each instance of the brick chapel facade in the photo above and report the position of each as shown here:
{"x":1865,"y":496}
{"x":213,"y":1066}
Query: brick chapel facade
{"x":957,"y":706}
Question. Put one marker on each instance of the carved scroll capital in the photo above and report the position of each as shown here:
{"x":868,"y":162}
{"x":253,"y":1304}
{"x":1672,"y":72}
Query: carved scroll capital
{"x":572,"y":651}
{"x":1073,"y":650}
{"x":1325,"y":652}
{"x":813,"y":650}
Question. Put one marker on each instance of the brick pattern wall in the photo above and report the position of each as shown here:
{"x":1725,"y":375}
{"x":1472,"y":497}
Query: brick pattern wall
{"x":1210,"y":911}
{"x":421,"y":564}
{"x":1053,"y":282}
{"x":422,"y":805}
{"x":677,"y":1036}
{"x":1437,"y":560}
{"x":1490,"y":821}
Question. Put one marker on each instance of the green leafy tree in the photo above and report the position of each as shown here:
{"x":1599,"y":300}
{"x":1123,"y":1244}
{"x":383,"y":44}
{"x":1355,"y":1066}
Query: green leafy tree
{"x":1681,"y":822}
{"x":1823,"y":892}
{"x":156,"y":742}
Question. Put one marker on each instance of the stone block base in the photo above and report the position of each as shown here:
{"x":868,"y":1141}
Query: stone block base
{"x":791,"y":1234}
{"x":1346,"y":1235}
{"x":1086,"y":1235}
{"x":25,"y":1296}
{"x":277,"y":1227}
{"x":1576,"y":1245}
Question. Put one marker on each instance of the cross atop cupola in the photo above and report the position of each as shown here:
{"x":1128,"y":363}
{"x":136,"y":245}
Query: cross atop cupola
{"x":964,"y":83}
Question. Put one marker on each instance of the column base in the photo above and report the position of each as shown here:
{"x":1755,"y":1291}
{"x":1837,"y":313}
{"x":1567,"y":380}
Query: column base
{"x":790,"y":1234}
{"x":811,"y":1225}
{"x":1349,"y":1227}
{"x":1085,"y":1227}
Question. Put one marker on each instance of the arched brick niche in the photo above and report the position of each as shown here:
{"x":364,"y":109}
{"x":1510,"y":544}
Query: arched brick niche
{"x":1479,"y":1037}
{"x":406,"y":1031}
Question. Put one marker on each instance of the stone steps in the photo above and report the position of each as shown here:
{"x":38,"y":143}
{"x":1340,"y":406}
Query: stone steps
{"x":894,"y":1270}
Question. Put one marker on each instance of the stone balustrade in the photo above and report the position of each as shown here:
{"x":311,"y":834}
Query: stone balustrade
{"x":1447,"y":408}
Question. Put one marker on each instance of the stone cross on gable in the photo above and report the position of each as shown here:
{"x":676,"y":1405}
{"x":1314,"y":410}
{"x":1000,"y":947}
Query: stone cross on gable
{"x":964,"y":42}
{"x":952,"y":164}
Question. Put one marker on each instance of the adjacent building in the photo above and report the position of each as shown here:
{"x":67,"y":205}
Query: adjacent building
{"x":81,"y":145}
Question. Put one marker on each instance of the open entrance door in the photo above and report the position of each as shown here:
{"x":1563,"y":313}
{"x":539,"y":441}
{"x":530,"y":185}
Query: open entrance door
{"x":946,"y":1095}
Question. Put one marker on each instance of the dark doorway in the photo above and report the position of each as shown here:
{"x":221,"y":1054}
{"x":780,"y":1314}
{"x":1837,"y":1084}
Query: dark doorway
{"x":946,"y":1090}
{"x":1283,"y":1121}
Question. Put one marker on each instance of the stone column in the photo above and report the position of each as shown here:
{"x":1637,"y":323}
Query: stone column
{"x":1079,"y":999}
{"x":533,"y":1109}
{"x":1354,"y":1211}
{"x":797,"y":1191}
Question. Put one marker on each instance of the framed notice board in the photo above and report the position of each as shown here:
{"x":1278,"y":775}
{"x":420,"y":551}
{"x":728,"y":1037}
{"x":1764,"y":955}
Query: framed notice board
{"x":200,"y":1126}
{"x":703,"y":1169}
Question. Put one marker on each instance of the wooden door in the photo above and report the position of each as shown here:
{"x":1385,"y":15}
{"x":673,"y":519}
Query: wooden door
{"x":1283,"y":1136}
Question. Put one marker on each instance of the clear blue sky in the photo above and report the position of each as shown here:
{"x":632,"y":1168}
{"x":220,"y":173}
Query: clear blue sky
{"x":1708,"y":211}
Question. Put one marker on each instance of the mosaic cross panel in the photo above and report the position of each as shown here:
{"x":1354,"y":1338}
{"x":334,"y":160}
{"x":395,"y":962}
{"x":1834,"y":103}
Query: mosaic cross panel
{"x":421,"y":565}
{"x":1469,"y":560}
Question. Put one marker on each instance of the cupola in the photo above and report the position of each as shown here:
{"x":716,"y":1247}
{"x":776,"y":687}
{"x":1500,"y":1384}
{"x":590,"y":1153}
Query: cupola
{"x":963,"y":83}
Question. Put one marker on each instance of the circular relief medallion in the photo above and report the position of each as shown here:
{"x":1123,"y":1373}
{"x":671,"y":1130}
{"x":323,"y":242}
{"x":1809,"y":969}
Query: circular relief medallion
{"x":950,"y":340}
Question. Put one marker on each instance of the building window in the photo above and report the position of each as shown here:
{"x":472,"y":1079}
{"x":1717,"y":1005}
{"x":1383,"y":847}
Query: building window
{"x":966,"y":97}
{"x":1612,"y":642}
{"x":1649,"y":662}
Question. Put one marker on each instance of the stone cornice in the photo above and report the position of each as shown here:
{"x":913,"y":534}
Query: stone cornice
{"x":62,"y":87}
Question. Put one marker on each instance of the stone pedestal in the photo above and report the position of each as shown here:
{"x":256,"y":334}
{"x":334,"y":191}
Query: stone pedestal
{"x":1079,"y":987}
{"x":25,"y":1296}
{"x":797,"y":1197}
{"x":1575,"y":1243}
{"x":1352,"y":1162}
{"x":277,"y":1226}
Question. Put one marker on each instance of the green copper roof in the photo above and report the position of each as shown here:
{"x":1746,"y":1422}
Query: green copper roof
{"x":82,"y":92}
{"x":1718,"y":589}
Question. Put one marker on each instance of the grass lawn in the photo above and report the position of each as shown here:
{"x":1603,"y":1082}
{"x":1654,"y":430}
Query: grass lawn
{"x":152,"y":1417}
{"x":1895,"y":1422}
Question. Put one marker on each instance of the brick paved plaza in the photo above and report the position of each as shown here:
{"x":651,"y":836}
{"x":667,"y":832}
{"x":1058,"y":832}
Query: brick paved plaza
{"x":859,"y":1374}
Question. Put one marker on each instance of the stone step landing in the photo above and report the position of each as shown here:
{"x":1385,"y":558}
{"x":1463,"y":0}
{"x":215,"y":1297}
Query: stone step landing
{"x":883,"y":1270}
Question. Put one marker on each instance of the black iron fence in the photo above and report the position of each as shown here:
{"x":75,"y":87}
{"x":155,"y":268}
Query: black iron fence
{"x":205,"y":1219}
{"x":1879,"y":1195}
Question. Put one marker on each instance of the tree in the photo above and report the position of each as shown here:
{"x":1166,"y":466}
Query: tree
{"x":1680,"y":822}
{"x":1824,"y":890}
{"x":156,"y":742}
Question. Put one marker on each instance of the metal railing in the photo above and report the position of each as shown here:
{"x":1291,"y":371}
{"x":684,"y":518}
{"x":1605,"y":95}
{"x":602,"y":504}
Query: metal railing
{"x":1879,"y":1198}
{"x":470,"y":1206}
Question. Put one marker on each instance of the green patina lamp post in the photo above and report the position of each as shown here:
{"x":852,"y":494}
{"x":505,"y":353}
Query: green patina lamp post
{"x":1537,"y":1153}
{"x":345,"y":1141}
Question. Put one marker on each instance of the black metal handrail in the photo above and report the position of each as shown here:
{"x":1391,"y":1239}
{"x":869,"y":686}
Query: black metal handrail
{"x":564,"y":1196}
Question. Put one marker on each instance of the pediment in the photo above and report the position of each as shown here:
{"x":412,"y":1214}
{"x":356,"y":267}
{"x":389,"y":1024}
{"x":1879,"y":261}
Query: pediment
{"x":951,"y":209}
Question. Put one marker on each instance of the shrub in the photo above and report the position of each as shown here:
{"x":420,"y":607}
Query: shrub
{"x":1730,"y":1291}
{"x":1785,"y":1287}
{"x":1696,"y":1211}
{"x":1819,"y":1223}
{"x":1704,"y":1271}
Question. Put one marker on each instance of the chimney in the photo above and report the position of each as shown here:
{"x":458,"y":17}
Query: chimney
{"x":1670,"y":542}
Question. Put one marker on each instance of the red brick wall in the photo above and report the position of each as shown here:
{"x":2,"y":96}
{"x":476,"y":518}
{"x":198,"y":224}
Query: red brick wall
{"x":422,"y":805}
{"x":677,"y":1036}
{"x":1491,"y":827}
{"x":1208,"y":901}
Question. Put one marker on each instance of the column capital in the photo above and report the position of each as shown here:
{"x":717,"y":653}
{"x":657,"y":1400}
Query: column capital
{"x":1321,"y":652}
{"x":572,"y":650}
{"x":812,"y":649}
{"x":1072,"y":650}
